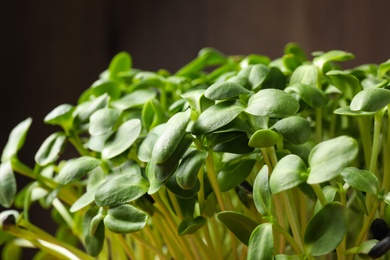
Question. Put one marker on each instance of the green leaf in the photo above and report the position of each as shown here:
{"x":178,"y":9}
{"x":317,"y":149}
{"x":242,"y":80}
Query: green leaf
{"x":190,"y":226}
{"x":146,"y":147}
{"x":217,"y":116}
{"x":346,"y":111}
{"x":384,"y":68}
{"x":51,"y":149}
{"x":313,"y":96}
{"x":261,"y":243}
{"x":370,"y":100}
{"x":329,"y":193}
{"x":233,"y":175}
{"x":257,"y":76}
{"x":333,"y":55}
{"x":11,"y":251}
{"x":289,"y":172}
{"x":122,"y":139}
{"x":239,"y":224}
{"x":87,"y":198}
{"x":168,"y":141}
{"x":61,"y":115}
{"x":125,"y":219}
{"x":121,"y":188}
{"x":272,"y":103}
{"x":103,"y":121}
{"x":84,"y":110}
{"x":8,"y":218}
{"x":347,"y":83}
{"x":305,"y":74}
{"x":261,"y":193}
{"x":254,"y":59}
{"x":294,"y":129}
{"x":181,"y":193}
{"x":122,"y":62}
{"x":77,"y":168}
{"x":187,"y":173}
{"x":7,"y":184}
{"x":328,"y":158}
{"x":325,"y":230}
{"x":16,"y":140}
{"x":225,"y":90}
{"x":263,"y":138}
{"x":237,"y":145}
{"x":153,"y":114}
{"x":361,"y":179}
{"x":107,"y":88}
{"x":135,"y":99}
{"x":93,"y":242}
{"x":293,"y":48}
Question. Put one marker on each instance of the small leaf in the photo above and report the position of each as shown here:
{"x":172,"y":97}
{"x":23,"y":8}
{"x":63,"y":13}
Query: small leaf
{"x":168,"y":141}
{"x":51,"y":149}
{"x":153,"y":114}
{"x":305,"y":74}
{"x":77,"y":168}
{"x":365,"y":247}
{"x":121,"y":188}
{"x":87,"y":198}
{"x":7,"y":184}
{"x":381,"y":248}
{"x":188,"y":227}
{"x":294,"y":129}
{"x":262,"y":193}
{"x":312,"y":95}
{"x":289,"y":172}
{"x":325,"y":229}
{"x":103,"y":121}
{"x":239,"y":224}
{"x":263,"y":138}
{"x":187,"y":173}
{"x":217,"y":116}
{"x":122,"y":62}
{"x":125,"y":219}
{"x":384,"y":68}
{"x":135,"y":99}
{"x":106,"y":87}
{"x":225,"y":90}
{"x":237,"y":145}
{"x":333,"y":55}
{"x":93,"y":242}
{"x":328,"y":158}
{"x":370,"y":100}
{"x":146,"y":147}
{"x":361,"y":179}
{"x":258,"y":74}
{"x":181,"y":193}
{"x":122,"y":139}
{"x":84,"y":110}
{"x":233,"y":175}
{"x":347,"y":83}
{"x":261,"y":243}
{"x":272,"y":103}
{"x":346,"y":111}
{"x":16,"y":140}
{"x":61,"y":115}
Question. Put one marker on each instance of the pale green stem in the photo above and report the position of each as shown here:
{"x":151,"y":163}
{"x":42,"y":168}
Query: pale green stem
{"x":365,"y":138}
{"x":320,"y":194}
{"x":292,"y":218}
{"x":376,"y":144}
{"x":146,"y":244}
{"x":213,"y":179}
{"x":288,"y":237}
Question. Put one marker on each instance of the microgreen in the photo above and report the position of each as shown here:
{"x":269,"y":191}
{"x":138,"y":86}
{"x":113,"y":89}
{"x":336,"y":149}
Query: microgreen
{"x":231,"y":157}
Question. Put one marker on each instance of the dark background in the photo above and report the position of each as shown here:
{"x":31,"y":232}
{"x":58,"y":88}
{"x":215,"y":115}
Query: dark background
{"x":50,"y":51}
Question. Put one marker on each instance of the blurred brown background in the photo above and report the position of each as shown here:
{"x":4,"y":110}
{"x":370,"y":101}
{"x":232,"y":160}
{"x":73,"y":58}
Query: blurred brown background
{"x":50,"y":51}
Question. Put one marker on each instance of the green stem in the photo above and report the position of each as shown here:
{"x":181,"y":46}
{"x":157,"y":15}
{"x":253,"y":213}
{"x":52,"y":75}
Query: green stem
{"x":146,"y":244}
{"x":288,"y":237}
{"x":320,"y":194}
{"x":376,"y":143}
{"x":292,"y":217}
{"x":77,"y":143}
{"x":366,"y":224}
{"x":213,"y":179}
{"x":318,"y":125}
{"x":365,"y":138}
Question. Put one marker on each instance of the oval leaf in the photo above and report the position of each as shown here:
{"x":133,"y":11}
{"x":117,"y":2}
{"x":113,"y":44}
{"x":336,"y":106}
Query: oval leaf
{"x":76,"y":169}
{"x":294,"y":129}
{"x":328,"y":158}
{"x":361,"y":179}
{"x":122,"y":139}
{"x":225,"y":90}
{"x":122,"y":62}
{"x":263,"y":138}
{"x":272,"y":103}
{"x":103,"y":121}
{"x":261,"y":192}
{"x":16,"y":140}
{"x":325,"y":229}
{"x":134,"y":99}
{"x":289,"y":172}
{"x":234,"y":174}
{"x":239,"y":224}
{"x":120,"y":188}
{"x":168,"y":141}
{"x":7,"y":185}
{"x":188,"y":227}
{"x":312,"y":95}
{"x":261,"y":243}
{"x":187,"y":173}
{"x":125,"y":219}
{"x":50,"y":149}
{"x":370,"y":100}
{"x":93,"y":242}
{"x":217,"y":116}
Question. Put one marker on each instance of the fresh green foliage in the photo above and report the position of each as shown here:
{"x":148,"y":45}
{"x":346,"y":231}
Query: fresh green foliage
{"x":231,"y":157}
